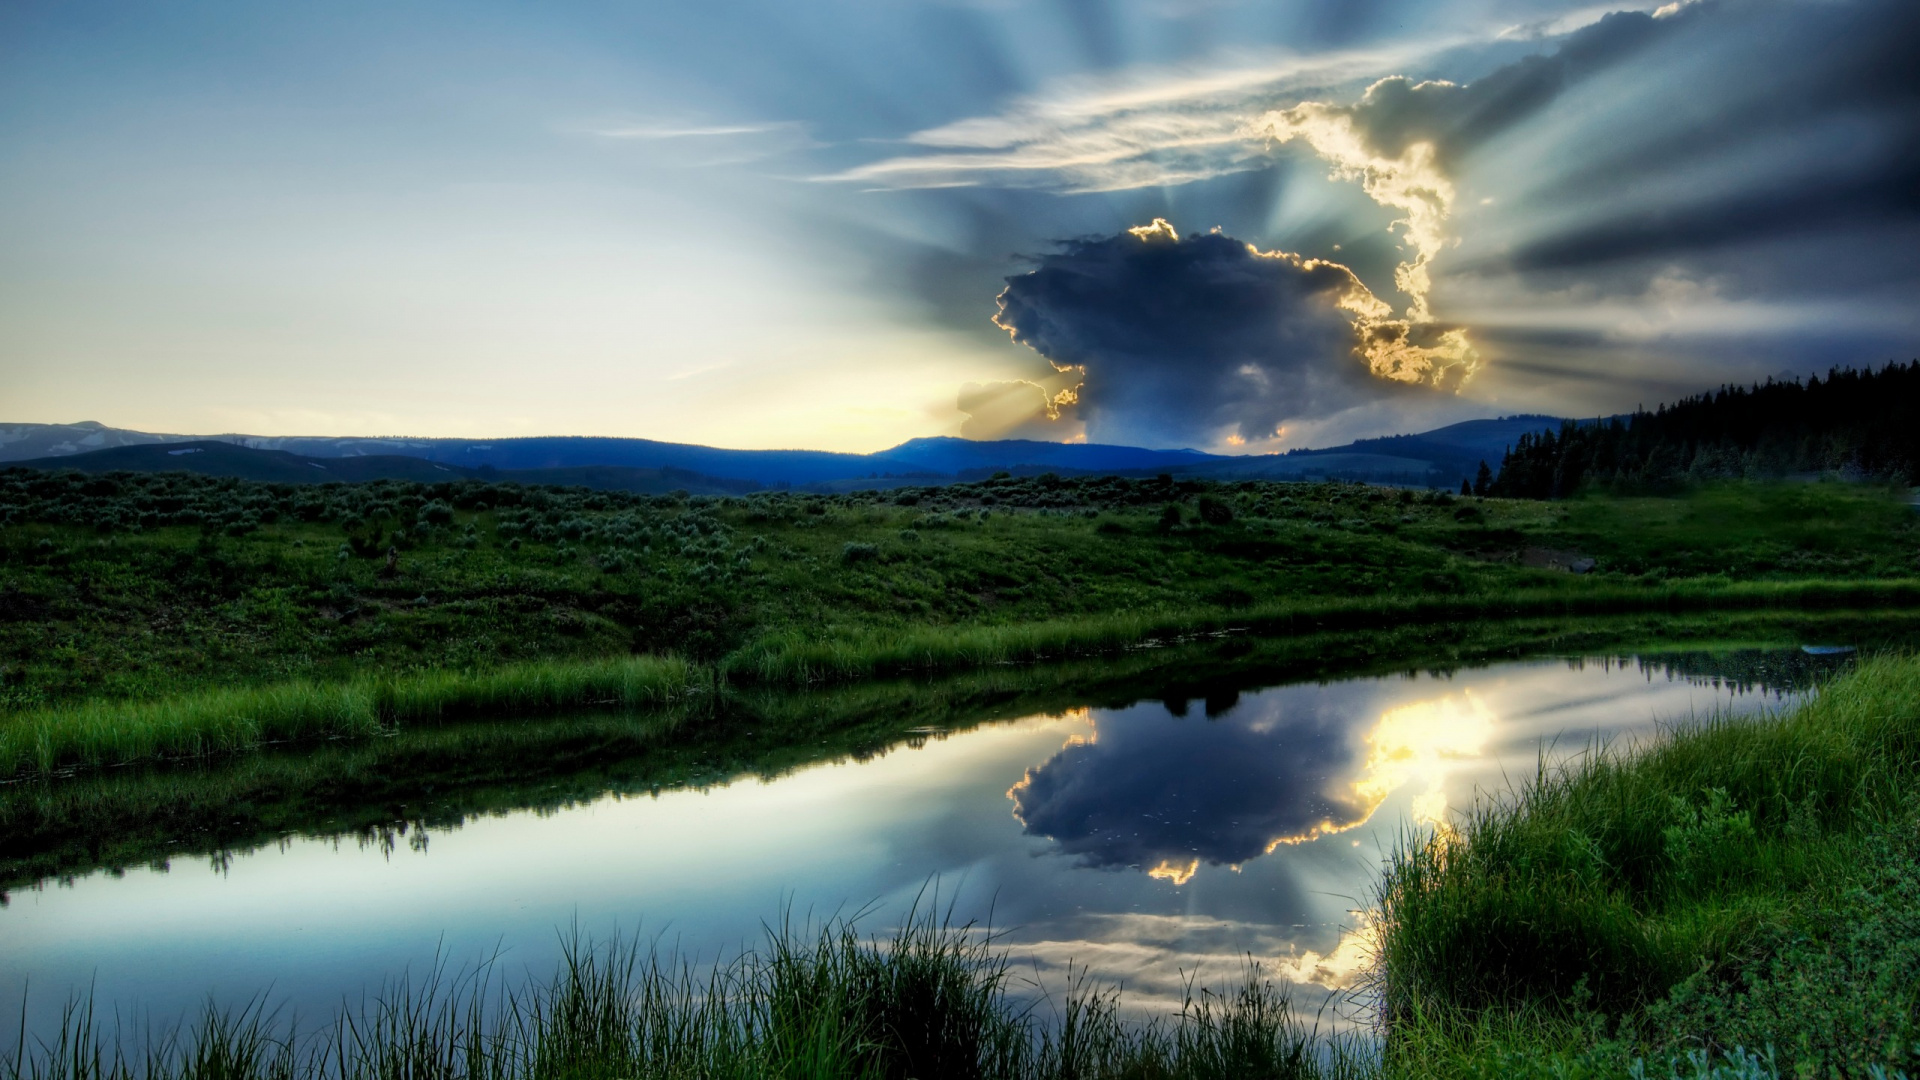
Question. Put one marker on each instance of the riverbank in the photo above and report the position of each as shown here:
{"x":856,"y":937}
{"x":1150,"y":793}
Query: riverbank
{"x":1735,"y":886}
{"x":1673,"y":908}
{"x":416,"y":777}
{"x":217,"y":720}
{"x":1733,"y":900}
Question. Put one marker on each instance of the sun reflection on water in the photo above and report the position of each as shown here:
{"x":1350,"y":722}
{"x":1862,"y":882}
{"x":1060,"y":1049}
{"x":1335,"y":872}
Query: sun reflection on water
{"x":1423,"y":743}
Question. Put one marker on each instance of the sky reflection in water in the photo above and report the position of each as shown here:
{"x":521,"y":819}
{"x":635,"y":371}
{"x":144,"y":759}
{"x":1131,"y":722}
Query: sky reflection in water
{"x":1144,"y":842}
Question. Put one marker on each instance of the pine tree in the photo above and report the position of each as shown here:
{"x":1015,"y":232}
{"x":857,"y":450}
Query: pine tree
{"x":1864,"y":422}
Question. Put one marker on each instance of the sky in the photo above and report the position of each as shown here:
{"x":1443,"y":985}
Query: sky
{"x":1234,"y":226}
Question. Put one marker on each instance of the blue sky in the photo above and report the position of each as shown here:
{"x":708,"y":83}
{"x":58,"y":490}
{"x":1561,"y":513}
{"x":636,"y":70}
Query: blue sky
{"x":770,"y":224}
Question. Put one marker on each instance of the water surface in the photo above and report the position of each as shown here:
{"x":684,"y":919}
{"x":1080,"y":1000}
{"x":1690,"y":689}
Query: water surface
{"x":1145,"y":842}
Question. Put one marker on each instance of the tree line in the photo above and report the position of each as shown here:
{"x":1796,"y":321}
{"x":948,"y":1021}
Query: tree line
{"x":1862,"y":423}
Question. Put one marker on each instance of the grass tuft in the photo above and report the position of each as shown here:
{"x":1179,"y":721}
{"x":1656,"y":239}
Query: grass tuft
{"x":930,"y":1002}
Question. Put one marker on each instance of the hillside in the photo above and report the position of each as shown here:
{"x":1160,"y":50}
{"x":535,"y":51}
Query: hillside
{"x":209,"y":457}
{"x":1439,"y":458}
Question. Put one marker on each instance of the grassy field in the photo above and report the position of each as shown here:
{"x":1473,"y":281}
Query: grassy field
{"x":168,"y":614}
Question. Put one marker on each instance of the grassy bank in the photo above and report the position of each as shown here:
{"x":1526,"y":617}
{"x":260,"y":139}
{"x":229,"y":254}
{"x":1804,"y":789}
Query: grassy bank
{"x":1735,"y":884}
{"x":218,"y":719}
{"x":1735,"y":887}
{"x":929,"y":1001}
{"x":795,"y":658}
{"x":221,"y":719}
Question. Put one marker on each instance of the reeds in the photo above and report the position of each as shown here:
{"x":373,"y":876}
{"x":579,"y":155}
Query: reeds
{"x":217,"y":720}
{"x":105,"y":732}
{"x":930,"y":1002}
{"x":797,"y":657}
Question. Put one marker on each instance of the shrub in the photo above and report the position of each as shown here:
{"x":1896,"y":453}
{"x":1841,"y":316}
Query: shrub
{"x":854,"y":551}
{"x":1215,"y":512}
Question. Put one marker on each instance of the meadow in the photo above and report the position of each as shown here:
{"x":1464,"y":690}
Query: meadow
{"x":158,"y":615}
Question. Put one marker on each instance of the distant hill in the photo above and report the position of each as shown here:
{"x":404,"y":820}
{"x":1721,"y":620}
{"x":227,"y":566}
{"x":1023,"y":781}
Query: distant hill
{"x":211,"y":457}
{"x":932,"y":458}
{"x":1436,"y":458}
{"x":23,"y":442}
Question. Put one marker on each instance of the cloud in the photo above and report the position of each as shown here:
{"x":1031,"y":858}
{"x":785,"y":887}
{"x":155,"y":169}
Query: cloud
{"x":1770,"y":148}
{"x":1151,"y":129}
{"x":1401,"y":141}
{"x":693,"y":144}
{"x":1190,"y":341}
{"x":1160,"y":958}
{"x":1017,"y":409}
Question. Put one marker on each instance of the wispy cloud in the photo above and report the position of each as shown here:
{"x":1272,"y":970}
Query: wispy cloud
{"x":1147,"y":129}
{"x":706,"y":144}
{"x":672,"y":131}
{"x":1159,"y":127}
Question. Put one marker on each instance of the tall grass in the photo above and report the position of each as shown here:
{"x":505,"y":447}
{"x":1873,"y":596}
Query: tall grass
{"x":930,"y":1002}
{"x":1597,"y":887}
{"x":211,"y":721}
{"x":217,"y":720}
{"x":796,"y":657}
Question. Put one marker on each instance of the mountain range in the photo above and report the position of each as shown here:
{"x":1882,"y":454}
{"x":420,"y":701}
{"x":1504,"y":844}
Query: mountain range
{"x":1435,"y":458}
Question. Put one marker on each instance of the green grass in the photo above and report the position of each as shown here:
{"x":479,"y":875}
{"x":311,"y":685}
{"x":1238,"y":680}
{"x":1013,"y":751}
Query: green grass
{"x":797,"y":657}
{"x":273,"y":586}
{"x":929,"y":1002}
{"x":1733,"y":883}
{"x":220,"y":720}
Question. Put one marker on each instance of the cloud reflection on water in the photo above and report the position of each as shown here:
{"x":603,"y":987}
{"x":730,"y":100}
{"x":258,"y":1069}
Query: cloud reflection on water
{"x":1149,"y":789}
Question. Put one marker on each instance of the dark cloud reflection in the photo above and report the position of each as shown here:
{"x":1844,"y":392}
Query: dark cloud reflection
{"x":1159,"y":791}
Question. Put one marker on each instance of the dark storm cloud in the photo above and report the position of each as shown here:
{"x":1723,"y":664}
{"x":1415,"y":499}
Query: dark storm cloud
{"x":1154,"y":792}
{"x":1178,"y":340}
